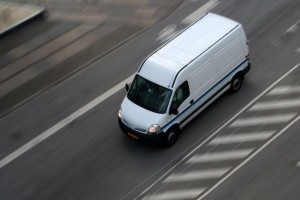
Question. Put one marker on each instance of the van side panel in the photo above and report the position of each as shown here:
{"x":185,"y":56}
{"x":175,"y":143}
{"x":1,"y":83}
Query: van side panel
{"x":202,"y":78}
{"x":216,"y":63}
{"x":210,"y":74}
{"x":229,"y":55}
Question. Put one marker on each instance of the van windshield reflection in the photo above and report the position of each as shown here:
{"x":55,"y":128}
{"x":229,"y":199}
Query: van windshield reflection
{"x":149,"y":95}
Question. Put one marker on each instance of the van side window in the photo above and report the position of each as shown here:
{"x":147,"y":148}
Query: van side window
{"x":181,"y":94}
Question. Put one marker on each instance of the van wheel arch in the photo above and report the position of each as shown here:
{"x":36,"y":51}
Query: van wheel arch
{"x":236,"y":82}
{"x":172,"y":135}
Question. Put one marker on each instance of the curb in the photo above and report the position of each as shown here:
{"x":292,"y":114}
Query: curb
{"x":35,"y":11}
{"x":87,"y":64}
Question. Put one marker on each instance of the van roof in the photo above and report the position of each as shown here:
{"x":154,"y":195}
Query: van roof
{"x":164,"y":64}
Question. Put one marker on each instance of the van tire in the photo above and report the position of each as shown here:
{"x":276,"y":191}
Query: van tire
{"x":171,"y":137}
{"x":236,"y":83}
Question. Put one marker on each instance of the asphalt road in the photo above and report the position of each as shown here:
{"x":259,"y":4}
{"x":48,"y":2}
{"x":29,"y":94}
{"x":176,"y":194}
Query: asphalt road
{"x":90,"y":158}
{"x":69,"y":38}
{"x":273,"y":174}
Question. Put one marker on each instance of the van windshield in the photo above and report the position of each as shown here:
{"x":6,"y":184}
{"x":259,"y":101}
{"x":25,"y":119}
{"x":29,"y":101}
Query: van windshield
{"x":149,"y":95}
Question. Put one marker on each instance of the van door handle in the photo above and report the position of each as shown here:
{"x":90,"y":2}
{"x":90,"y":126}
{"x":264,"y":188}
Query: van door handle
{"x":192,"y":101}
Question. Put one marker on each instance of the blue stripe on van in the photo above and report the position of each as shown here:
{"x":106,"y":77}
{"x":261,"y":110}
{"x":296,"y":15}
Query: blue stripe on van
{"x":167,"y":126}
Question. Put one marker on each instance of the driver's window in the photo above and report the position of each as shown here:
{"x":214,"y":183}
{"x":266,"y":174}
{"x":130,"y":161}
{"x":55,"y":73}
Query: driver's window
{"x":181,"y":94}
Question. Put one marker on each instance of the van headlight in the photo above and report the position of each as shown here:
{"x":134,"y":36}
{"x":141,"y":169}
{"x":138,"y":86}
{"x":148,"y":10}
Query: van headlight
{"x":154,"y":129}
{"x":120,"y":113}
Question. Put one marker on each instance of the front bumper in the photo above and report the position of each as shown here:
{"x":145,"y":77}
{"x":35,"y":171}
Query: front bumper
{"x":158,"y":138}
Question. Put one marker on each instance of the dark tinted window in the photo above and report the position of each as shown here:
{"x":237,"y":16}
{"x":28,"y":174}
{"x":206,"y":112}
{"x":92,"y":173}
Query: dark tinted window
{"x":181,"y":94}
{"x":149,"y":95}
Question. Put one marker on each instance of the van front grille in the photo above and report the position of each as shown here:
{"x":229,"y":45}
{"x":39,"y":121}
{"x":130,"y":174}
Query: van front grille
{"x":140,"y":130}
{"x":136,"y":129}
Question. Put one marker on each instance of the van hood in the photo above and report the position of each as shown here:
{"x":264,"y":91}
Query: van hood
{"x":137,"y":117}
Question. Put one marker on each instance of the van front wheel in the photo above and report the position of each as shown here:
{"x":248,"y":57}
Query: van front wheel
{"x":171,"y":137}
{"x":236,"y":83}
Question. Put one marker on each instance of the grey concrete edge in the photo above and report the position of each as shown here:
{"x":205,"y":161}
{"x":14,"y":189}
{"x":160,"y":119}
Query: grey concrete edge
{"x":41,"y":11}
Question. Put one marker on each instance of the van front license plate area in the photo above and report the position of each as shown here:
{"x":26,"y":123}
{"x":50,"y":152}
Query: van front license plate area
{"x":133,"y":136}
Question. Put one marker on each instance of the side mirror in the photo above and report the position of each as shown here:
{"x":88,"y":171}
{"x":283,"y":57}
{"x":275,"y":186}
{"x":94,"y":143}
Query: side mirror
{"x":127,"y":87}
{"x":173,"y":111}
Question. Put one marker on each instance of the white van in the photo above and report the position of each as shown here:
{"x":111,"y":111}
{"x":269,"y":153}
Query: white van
{"x":184,"y":76}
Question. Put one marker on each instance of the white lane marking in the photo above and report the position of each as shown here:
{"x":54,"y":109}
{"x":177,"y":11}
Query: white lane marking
{"x":298,"y":50}
{"x":293,"y":28}
{"x":241,"y":137}
{"x":176,"y":194}
{"x":298,"y":164}
{"x":167,"y":33}
{"x":270,"y":119}
{"x":200,"y":11}
{"x":171,"y":31}
{"x":215,"y":132}
{"x":276,"y":43}
{"x":284,"y":90}
{"x":289,"y":103}
{"x":35,"y":141}
{"x":248,"y":159}
{"x":220,"y":156}
{"x":197,"y":175}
